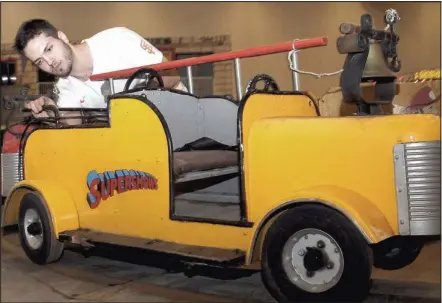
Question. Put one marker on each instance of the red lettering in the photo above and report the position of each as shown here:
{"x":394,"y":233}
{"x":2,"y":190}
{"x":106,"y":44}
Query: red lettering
{"x":147,"y":47}
{"x":151,"y":183}
{"x":113,"y":186}
{"x":145,"y":182}
{"x":139,"y":182}
{"x":127,"y":182}
{"x":105,"y":189}
{"x":133,"y":182}
{"x":120,"y":185}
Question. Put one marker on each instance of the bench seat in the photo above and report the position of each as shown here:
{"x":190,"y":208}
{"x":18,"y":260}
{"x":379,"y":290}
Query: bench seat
{"x":193,"y":165}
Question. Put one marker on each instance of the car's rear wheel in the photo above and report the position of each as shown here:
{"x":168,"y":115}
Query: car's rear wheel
{"x":313,"y":253}
{"x":36,"y":233}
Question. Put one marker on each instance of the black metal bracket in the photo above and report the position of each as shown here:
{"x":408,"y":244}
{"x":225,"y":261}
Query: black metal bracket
{"x":356,"y":44}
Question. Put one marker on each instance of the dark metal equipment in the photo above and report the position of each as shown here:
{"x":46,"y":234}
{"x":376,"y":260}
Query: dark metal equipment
{"x":371,"y":57}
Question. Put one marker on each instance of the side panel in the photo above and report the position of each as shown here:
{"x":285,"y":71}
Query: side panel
{"x":111,"y":159}
{"x":257,"y":106}
{"x":260,"y":105}
{"x":135,"y":142}
{"x":285,"y":156}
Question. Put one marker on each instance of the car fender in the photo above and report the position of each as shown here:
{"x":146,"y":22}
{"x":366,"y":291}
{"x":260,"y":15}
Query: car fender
{"x":57,"y":201}
{"x":366,"y":217}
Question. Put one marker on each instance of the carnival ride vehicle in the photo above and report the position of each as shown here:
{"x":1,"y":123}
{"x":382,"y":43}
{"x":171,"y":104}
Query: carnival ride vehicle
{"x":262,"y":180}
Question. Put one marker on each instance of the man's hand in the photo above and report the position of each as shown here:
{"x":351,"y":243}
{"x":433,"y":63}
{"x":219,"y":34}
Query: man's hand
{"x":36,"y":106}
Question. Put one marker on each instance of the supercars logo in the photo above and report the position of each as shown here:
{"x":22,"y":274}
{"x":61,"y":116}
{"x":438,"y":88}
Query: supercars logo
{"x":147,"y":47}
{"x":104,"y":185}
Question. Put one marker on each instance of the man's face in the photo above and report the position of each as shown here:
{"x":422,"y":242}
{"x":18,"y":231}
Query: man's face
{"x":50,"y":54}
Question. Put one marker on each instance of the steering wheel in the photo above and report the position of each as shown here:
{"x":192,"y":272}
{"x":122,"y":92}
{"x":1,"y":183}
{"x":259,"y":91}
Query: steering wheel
{"x":151,"y":74}
{"x":270,"y":84}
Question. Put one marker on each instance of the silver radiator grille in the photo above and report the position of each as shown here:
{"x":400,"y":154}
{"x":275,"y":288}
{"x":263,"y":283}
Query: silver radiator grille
{"x":9,"y":172}
{"x":418,"y":183}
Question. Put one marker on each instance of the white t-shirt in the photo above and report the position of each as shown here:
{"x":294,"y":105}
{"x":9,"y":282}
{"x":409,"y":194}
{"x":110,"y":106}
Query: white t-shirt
{"x":112,"y":49}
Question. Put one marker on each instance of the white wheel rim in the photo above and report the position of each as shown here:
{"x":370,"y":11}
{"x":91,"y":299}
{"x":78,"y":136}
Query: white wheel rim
{"x":34,"y":240}
{"x":295,"y":252}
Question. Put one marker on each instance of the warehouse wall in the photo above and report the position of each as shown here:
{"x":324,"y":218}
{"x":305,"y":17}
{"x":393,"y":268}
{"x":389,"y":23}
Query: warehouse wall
{"x":420,"y":31}
{"x":249,"y":24}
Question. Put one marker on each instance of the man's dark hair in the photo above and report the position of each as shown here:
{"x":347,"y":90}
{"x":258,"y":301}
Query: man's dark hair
{"x":31,"y":29}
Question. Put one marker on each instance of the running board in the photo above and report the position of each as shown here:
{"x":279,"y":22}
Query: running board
{"x":219,"y":255}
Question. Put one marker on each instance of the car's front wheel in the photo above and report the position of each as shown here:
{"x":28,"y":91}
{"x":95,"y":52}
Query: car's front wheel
{"x":313,"y":253}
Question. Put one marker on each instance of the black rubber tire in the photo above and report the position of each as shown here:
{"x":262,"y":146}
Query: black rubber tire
{"x":355,"y":281}
{"x":51,"y":250}
{"x":407,"y":249}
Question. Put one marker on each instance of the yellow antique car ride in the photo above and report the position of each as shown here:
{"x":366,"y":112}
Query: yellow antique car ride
{"x":264,"y":180}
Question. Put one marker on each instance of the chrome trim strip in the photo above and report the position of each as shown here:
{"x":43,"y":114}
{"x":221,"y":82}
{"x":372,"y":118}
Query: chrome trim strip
{"x":400,"y":177}
{"x":9,"y":172}
{"x":418,"y":187}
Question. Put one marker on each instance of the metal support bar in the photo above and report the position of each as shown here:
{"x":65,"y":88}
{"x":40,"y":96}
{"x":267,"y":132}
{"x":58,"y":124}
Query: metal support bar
{"x":112,"y":86}
{"x":190,"y":78}
{"x":295,"y":74}
{"x":238,"y":78}
{"x":219,"y":57}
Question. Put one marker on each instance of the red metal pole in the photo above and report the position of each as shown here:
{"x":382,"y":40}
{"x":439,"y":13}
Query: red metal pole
{"x":245,"y":53}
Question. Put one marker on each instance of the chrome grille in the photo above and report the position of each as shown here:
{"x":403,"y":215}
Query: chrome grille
{"x":418,"y":185}
{"x":9,"y":172}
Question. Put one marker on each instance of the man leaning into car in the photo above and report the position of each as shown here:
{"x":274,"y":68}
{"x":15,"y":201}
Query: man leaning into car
{"x":110,"y":50}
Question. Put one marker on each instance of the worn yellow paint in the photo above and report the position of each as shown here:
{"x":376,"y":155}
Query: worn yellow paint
{"x":344,"y":161}
{"x":12,"y":204}
{"x":289,"y":155}
{"x":136,"y":140}
{"x":57,"y":201}
{"x":261,"y":106}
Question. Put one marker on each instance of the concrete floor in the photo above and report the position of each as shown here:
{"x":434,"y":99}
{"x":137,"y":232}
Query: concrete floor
{"x":141,"y":277}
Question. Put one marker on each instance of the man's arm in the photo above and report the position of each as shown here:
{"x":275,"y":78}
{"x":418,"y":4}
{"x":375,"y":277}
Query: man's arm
{"x":63,"y":97}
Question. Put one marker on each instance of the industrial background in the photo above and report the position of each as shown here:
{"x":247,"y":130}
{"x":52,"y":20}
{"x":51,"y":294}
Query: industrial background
{"x":188,"y":29}
{"x":183,"y":29}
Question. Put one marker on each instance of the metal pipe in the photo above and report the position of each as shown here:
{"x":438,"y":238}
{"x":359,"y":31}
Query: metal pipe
{"x":112,"y":86}
{"x":295,"y":75}
{"x":190,"y":78}
{"x":238,"y":78}
{"x":219,"y":57}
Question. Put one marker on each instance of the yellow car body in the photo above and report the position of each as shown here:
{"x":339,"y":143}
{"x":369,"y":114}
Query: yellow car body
{"x":290,"y":156}
{"x":332,"y":185}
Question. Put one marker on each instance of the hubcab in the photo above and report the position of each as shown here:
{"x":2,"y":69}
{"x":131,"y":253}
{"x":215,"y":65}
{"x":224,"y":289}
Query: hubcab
{"x":313,"y":260}
{"x":33,"y":229}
